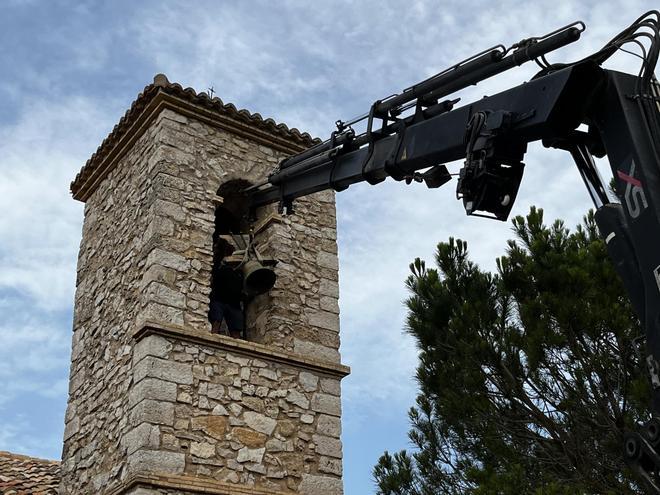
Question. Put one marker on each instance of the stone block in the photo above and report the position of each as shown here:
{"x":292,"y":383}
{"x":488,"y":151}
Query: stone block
{"x":235,"y":394}
{"x":159,"y":461}
{"x":171,"y":181}
{"x":307,"y":419}
{"x":71,"y":428}
{"x":331,"y":386}
{"x":313,"y":484}
{"x":168,"y":209}
{"x":235,"y":409}
{"x":204,"y":403}
{"x":213,"y":425}
{"x":142,"y":436}
{"x":153,"y":411}
{"x":168,"y":259}
{"x":329,"y":288}
{"x":315,"y":351}
{"x":151,"y":345}
{"x":158,"y":273}
{"x":253,"y":403}
{"x":297,"y":398}
{"x":327,"y":260}
{"x":215,"y":391}
{"x":181,"y":423}
{"x":203,"y":450}
{"x":287,"y":427}
{"x":330,"y":465}
{"x":261,"y":392}
{"x":162,"y":294}
{"x":220,"y":410}
{"x":152,"y":388}
{"x":171,"y":115}
{"x":76,"y":381}
{"x":170,"y":442}
{"x":238,"y":360}
{"x":329,"y":425}
{"x":248,"y":437}
{"x":268,"y":374}
{"x":259,"y":422}
{"x":159,"y":313}
{"x":326,"y":404}
{"x":99,"y":481}
{"x":250,"y":455}
{"x":327,"y":196}
{"x":330,"y":304}
{"x":277,"y":445}
{"x":308,"y":381}
{"x":324,"y":319}
{"x":275,"y":473}
{"x":184,"y":397}
{"x":159,"y":227}
{"x":152,"y":367}
{"x":327,"y":446}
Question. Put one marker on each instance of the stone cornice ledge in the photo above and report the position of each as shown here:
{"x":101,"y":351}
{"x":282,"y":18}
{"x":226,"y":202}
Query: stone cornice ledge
{"x":238,"y":346}
{"x":188,"y":484}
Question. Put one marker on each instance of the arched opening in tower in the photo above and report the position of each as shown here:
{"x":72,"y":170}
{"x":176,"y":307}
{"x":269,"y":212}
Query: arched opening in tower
{"x":238,"y":274}
{"x":227,"y":300}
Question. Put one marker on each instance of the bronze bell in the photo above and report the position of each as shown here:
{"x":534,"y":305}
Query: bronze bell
{"x":257,"y":278}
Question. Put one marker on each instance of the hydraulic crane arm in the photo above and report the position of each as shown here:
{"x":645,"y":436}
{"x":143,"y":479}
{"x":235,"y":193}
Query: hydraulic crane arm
{"x":396,"y":147}
{"x":520,"y":115}
{"x":621,"y":111}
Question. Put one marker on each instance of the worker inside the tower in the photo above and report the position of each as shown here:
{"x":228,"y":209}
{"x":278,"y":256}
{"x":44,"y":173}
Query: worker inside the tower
{"x":226,"y":292}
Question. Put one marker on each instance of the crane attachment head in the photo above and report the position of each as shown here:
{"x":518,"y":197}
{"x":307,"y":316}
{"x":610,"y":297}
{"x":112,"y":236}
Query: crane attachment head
{"x":493,"y":169}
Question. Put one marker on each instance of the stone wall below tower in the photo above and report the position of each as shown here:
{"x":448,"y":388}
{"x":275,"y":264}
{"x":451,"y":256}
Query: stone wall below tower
{"x":237,"y":412}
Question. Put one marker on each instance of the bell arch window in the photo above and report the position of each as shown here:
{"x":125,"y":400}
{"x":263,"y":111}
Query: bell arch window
{"x":236,"y":256}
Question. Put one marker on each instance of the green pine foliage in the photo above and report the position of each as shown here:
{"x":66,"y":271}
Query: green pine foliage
{"x":528,"y":377}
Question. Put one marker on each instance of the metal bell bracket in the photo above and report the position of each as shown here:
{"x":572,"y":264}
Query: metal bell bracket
{"x":244,"y":245}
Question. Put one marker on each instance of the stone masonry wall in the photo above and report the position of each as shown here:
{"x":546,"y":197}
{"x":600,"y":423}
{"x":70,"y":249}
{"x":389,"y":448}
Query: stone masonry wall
{"x":229,"y":416}
{"x":145,"y":260}
{"x":301,"y":313}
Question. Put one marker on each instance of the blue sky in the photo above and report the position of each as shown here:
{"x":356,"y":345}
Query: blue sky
{"x":69,"y":70}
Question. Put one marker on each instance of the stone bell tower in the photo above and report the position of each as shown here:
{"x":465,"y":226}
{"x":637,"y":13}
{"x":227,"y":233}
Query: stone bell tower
{"x":157,"y":403}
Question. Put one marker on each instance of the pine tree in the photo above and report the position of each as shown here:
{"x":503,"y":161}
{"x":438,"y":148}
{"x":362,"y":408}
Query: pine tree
{"x":527,"y":377}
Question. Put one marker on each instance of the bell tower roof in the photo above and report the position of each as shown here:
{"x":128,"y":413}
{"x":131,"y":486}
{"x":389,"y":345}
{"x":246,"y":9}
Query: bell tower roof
{"x":161,"y":94}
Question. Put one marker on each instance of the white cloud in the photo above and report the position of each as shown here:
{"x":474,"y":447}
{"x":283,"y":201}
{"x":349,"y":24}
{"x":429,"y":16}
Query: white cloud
{"x":40,"y":152}
{"x":9,"y":431}
{"x":40,"y":225}
{"x":34,"y":354}
{"x":22,"y":436}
